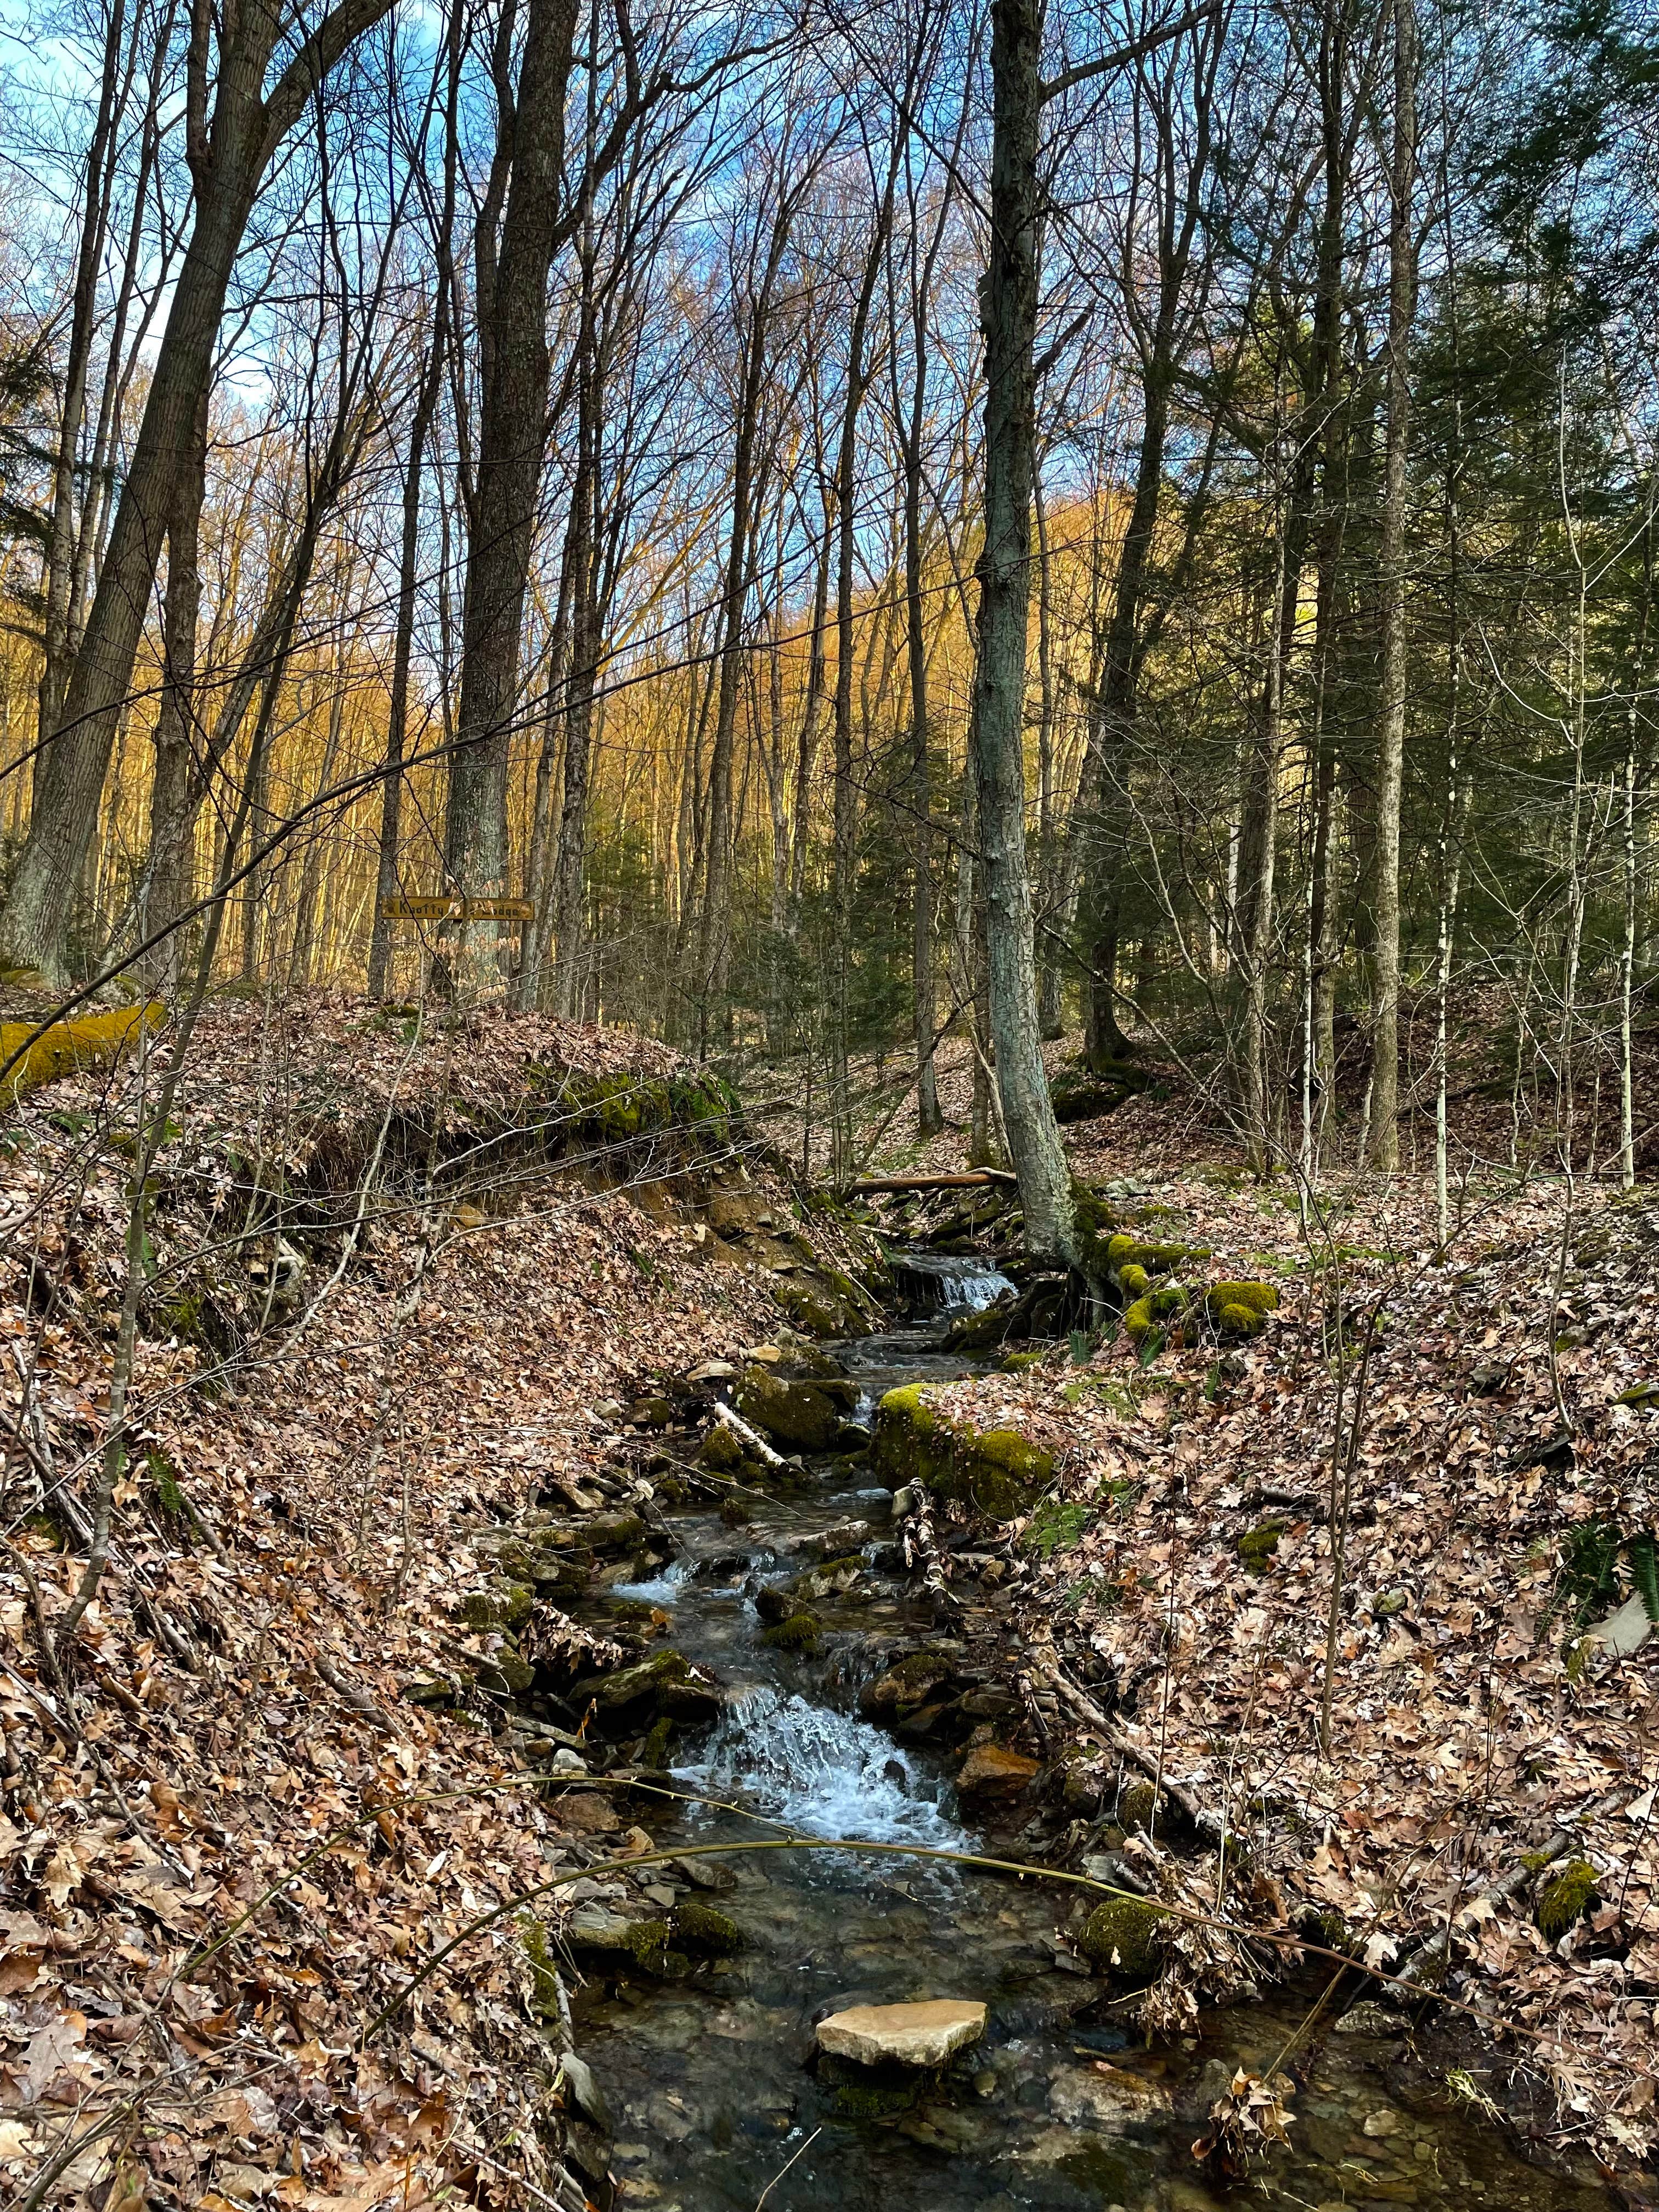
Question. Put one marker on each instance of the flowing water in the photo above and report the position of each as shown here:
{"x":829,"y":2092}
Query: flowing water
{"x":714,"y":2097}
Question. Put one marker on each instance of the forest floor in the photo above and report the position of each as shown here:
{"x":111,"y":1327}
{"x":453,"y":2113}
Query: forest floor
{"x":229,"y":1837}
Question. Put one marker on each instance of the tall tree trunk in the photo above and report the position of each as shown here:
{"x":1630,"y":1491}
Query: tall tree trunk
{"x":929,"y":1120}
{"x":1004,"y":576}
{"x":425,"y":407}
{"x":582,"y":553}
{"x":60,"y":531}
{"x":811,"y":714}
{"x":171,"y":820}
{"x":397,"y":733}
{"x":1384,"y":1148}
{"x":515,"y":371}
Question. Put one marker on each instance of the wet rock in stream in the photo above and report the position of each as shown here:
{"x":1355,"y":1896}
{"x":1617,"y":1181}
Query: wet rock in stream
{"x":916,"y":2035}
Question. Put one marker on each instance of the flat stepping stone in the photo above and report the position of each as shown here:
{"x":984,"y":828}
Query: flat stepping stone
{"x":922,"y":2034}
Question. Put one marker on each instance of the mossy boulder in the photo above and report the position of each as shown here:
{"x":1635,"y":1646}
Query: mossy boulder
{"x":997,"y":1471}
{"x":1240,"y":1309}
{"x":672,"y":1945}
{"x":666,"y":1684}
{"x":721,"y":1452}
{"x":905,"y":1687}
{"x":799,"y":1416}
{"x":813,"y":1309}
{"x":704,"y":1932}
{"x":1121,"y":1936}
{"x":833,"y":1578}
{"x":983,"y":1330}
{"x":499,"y":1603}
{"x":1159,"y":1309}
{"x":505,"y":1671}
{"x":1565,"y":1900}
{"x":799,"y":1632}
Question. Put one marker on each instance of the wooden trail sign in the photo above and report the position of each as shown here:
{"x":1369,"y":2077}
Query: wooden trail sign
{"x":439,"y":908}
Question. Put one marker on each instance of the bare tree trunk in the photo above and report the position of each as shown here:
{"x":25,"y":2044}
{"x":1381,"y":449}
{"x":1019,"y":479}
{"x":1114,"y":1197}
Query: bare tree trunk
{"x":811,"y":714}
{"x":581,"y":554}
{"x":1384,"y":1140}
{"x":171,"y":820}
{"x":929,"y":1119}
{"x":998,"y":727}
{"x":60,"y":533}
{"x":514,"y":376}
{"x":425,"y":406}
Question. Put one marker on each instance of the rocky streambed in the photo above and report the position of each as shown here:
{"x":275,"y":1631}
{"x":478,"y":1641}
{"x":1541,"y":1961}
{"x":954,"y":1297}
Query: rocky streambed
{"x":730,"y":2004}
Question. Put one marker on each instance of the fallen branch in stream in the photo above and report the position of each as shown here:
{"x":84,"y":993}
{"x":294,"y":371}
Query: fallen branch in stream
{"x":920,"y":1544}
{"x":750,"y":1438}
{"x":968,"y":1179}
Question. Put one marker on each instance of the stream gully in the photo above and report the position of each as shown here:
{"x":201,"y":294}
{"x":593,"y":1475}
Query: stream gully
{"x":713,"y":2094}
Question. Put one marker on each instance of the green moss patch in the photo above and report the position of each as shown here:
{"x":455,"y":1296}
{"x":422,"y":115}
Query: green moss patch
{"x":799,"y":1632}
{"x":1257,"y":1546}
{"x":1120,"y":1936}
{"x":1565,"y":1900}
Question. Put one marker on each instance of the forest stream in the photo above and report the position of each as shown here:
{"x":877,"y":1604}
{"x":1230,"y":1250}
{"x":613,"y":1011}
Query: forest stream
{"x":715,"y":2096}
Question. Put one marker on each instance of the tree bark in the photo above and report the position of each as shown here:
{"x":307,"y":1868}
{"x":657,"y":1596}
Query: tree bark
{"x":169,"y":871}
{"x":582,"y":553}
{"x":515,"y":374}
{"x":1004,"y":575}
{"x":1384,"y":1148}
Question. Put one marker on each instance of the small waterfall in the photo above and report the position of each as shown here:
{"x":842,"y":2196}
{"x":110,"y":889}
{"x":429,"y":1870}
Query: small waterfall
{"x":949,"y":1282}
{"x":825,"y":1773}
{"x":662,"y":1590}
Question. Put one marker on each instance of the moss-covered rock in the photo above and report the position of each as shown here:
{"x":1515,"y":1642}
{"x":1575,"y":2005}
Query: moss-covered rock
{"x":653,"y":1750}
{"x":704,"y":1932}
{"x":1159,"y":1309}
{"x":1257,"y":1298}
{"x":814,"y":1309}
{"x":997,"y":1471}
{"x":1565,"y":1900}
{"x":505,"y":1671}
{"x":650,"y":1944}
{"x":543,"y":1974}
{"x":799,"y":1416}
{"x":499,"y":1603}
{"x":1256,"y":1546}
{"x":984,"y":1330}
{"x":906,"y":1686}
{"x":722,"y":1453}
{"x":633,"y":1687}
{"x":1138,"y":1806}
{"x":1121,"y":1936}
{"x":832,"y":1578}
{"x":799,"y":1632}
{"x":1238,"y":1320}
